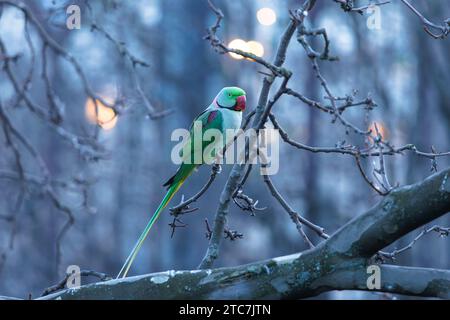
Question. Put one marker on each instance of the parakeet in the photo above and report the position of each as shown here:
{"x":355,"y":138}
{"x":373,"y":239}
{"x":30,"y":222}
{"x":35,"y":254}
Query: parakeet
{"x":225,"y":112}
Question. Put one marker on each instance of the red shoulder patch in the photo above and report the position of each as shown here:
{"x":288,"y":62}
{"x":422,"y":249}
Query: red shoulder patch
{"x":212,"y":115}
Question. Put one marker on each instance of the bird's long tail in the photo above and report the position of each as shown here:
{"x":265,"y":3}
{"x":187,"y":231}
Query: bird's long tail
{"x":169,"y":195}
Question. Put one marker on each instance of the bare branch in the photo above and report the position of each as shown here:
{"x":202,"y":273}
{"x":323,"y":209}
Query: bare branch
{"x":235,"y":175}
{"x":340,"y":262}
{"x":349,"y":6}
{"x":183,"y":206}
{"x":134,"y":61}
{"x":83,"y":273}
{"x":296,"y":218}
{"x":443,"y":29}
{"x":442,"y":231}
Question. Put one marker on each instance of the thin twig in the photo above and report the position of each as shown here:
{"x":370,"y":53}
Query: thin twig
{"x":442,"y":231}
{"x":83,"y":273}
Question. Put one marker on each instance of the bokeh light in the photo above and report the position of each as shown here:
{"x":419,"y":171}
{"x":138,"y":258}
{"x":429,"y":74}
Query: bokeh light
{"x":252,"y":46}
{"x":256,"y":48}
{"x":238,"y":44}
{"x":266,"y":16}
{"x":381,"y":129}
{"x":105,"y":117}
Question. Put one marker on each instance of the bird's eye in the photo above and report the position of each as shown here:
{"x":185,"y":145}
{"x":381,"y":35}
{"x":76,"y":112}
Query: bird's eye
{"x":229,"y":94}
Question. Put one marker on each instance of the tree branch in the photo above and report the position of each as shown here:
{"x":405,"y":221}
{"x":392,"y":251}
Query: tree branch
{"x":262,"y":112}
{"x":338,"y":263}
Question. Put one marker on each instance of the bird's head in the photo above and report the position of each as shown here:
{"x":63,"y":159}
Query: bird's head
{"x":232,"y":98}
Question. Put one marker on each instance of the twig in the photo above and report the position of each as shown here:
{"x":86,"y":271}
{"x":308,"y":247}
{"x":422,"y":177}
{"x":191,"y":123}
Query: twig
{"x":134,"y":61}
{"x":442,"y":231}
{"x":176,"y":223}
{"x":183,"y":206}
{"x":297,"y":219}
{"x":208,"y":232}
{"x":444,"y":29}
{"x":348,"y":5}
{"x":220,"y":47}
{"x":232,"y":234}
{"x":366,"y":178}
{"x":83,"y":273}
{"x":233,"y":180}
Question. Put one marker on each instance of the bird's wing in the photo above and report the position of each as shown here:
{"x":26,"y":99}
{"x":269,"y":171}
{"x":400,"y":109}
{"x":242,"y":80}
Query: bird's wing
{"x":191,"y":153}
{"x":209,"y":119}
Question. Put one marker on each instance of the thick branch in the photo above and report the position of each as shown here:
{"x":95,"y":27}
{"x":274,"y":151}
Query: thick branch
{"x":338,"y":263}
{"x":289,"y":277}
{"x":403,"y":210}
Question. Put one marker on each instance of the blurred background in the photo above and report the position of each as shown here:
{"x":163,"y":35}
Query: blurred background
{"x":401,"y":67}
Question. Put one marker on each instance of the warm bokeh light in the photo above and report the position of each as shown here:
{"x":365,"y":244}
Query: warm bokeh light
{"x":381,"y":129}
{"x":238,"y":44}
{"x":105,"y":117}
{"x":266,"y":16}
{"x":256,"y":48}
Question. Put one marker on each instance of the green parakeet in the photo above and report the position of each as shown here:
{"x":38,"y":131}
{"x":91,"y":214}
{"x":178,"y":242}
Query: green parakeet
{"x":225,"y":112}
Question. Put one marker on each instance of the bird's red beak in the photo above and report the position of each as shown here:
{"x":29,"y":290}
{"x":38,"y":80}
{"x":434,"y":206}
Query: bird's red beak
{"x":240,"y":103}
